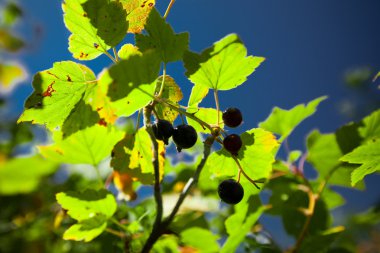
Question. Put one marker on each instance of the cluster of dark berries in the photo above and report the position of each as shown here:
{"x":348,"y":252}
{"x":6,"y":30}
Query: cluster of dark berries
{"x":231,"y":191}
{"x":184,"y":136}
{"x":232,"y":117}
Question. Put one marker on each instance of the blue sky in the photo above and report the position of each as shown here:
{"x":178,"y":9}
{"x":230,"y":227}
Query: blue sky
{"x":308,"y":46}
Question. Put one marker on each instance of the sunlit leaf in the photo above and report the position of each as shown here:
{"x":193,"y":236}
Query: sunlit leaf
{"x":162,"y":38}
{"x":22,"y":175}
{"x":11,"y":75}
{"x":127,"y":86}
{"x":247,"y":212}
{"x":96,"y":26}
{"x":282,"y":122}
{"x":223,"y":66}
{"x":208,"y":115}
{"x":171,"y":93}
{"x":85,"y":146}
{"x":133,"y":155}
{"x":91,"y":209}
{"x":198,"y":93}
{"x":137,"y":13}
{"x":127,"y":50}
{"x":368,"y":155}
{"x":56,"y":93}
{"x":369,"y":127}
{"x":201,"y":239}
{"x":255,"y":156}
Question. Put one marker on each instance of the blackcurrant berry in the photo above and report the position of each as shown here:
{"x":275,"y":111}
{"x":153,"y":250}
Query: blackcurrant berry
{"x":184,"y":136}
{"x":163,"y":130}
{"x":230,"y":191}
{"x":232,"y":117}
{"x":232,"y":143}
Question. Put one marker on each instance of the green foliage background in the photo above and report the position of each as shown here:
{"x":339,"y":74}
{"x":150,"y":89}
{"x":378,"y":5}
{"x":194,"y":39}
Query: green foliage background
{"x":81,"y":111}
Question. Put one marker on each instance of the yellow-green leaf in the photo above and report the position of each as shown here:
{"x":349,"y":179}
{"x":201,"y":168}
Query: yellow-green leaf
{"x":137,"y":13}
{"x":87,"y":146}
{"x":10,"y":75}
{"x":56,"y":93}
{"x":96,"y":26}
{"x":223,"y":66}
{"x":91,"y":209}
{"x":21,"y":175}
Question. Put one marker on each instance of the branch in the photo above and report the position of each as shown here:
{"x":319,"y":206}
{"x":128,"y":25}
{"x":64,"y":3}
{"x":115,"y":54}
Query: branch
{"x":311,"y":209}
{"x":157,"y":188}
{"x":156,"y":233}
{"x":193,"y":180}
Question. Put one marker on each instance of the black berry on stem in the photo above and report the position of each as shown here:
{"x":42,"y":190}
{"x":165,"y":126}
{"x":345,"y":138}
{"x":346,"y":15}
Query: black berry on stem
{"x":163,"y":130}
{"x":232,"y":117}
{"x":230,"y":191}
{"x":184,"y":136}
{"x":232,"y":143}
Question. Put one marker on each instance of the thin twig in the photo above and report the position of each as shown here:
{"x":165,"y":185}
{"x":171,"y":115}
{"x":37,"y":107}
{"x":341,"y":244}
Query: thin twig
{"x":115,"y":54}
{"x":157,"y":188}
{"x":156,"y":233}
{"x":169,"y":8}
{"x":193,"y":180}
{"x":245,"y":174}
{"x":110,"y":56}
{"x":163,"y":81}
{"x":217,"y":106}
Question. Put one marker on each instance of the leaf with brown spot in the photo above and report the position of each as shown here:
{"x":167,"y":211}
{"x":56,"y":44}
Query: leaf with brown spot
{"x":137,"y":13}
{"x":54,"y":96}
{"x":96,"y":26}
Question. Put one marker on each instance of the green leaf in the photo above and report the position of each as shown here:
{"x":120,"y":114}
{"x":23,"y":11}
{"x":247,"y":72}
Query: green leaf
{"x":281,"y":189}
{"x":22,"y":174}
{"x":201,"y":239}
{"x":166,"y":244}
{"x":91,"y":209}
{"x":332,"y":198}
{"x":128,"y":85}
{"x":208,"y":115}
{"x":56,"y":93}
{"x":162,"y":38}
{"x":171,"y":93}
{"x":223,"y":66}
{"x":133,"y":155}
{"x":11,"y":13}
{"x":137,"y":13}
{"x":11,"y":75}
{"x":368,"y":156}
{"x":255,"y":156}
{"x":86,"y":146}
{"x":293,"y":219}
{"x":128,"y":50}
{"x":324,"y":152}
{"x":247,"y":212}
{"x":96,"y":26}
{"x":198,"y":93}
{"x":369,"y":127}
{"x":320,"y":243}
{"x":282,"y":122}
